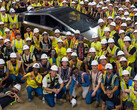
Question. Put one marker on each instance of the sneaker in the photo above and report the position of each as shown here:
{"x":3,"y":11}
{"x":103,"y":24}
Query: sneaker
{"x":29,"y":100}
{"x":97,"y":104}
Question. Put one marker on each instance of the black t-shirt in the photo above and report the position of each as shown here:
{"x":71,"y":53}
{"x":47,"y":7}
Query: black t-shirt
{"x":111,"y":102}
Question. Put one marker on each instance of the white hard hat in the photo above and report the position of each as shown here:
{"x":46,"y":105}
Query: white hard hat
{"x":73,"y":2}
{"x":29,"y":8}
{"x":17,"y":86}
{"x":135,"y":78}
{"x":2,"y":9}
{"x":120,"y":53}
{"x":12,"y":10}
{"x":110,"y":4}
{"x":106,"y":29}
{"x":86,"y":1}
{"x":135,"y":14}
{"x":126,"y":13}
{"x":132,"y":6}
{"x":13,"y":55}
{"x":94,"y":3}
{"x":13,"y":2}
{"x":108,"y":66}
{"x":121,"y":31}
{"x":64,"y":59}
{"x":36,"y":30}
{"x":135,"y":23}
{"x":6,"y":40}
{"x":94,"y":36}
{"x":77,"y":32}
{"x":90,"y":4}
{"x":44,"y":33}
{"x":73,"y":102}
{"x":60,"y":40}
{"x":25,"y":47}
{"x":28,"y":39}
{"x":120,"y":9}
{"x":92,"y":49}
{"x":94,"y":62}
{"x":64,"y":1}
{"x":100,"y":21}
{"x":101,"y":3}
{"x":57,"y":31}
{"x":36,"y":65}
{"x":102,"y":57}
{"x":103,"y":41}
{"x":126,"y":38}
{"x":125,"y":72}
{"x":110,"y":40}
{"x":127,"y":1}
{"x":68,"y":33}
{"x":44,"y":56}
{"x":0,"y":1}
{"x":7,"y":30}
{"x":135,"y":31}
{"x":123,"y":59}
{"x":2,"y":62}
{"x":113,"y":24}
{"x":1,"y":23}
{"x":69,"y":50}
{"x":54,"y":68}
{"x":125,"y":8}
{"x":107,"y":0}
{"x":123,"y":25}
{"x":81,"y":3}
{"x":110,"y":17}
{"x":1,"y":38}
{"x":123,"y":18}
{"x":17,"y":0}
{"x":128,"y":19}
{"x":98,"y":6}
{"x":74,"y":54}
{"x":135,"y":10}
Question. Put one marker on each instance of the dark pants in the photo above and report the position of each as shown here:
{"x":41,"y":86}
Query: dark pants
{"x":7,"y":82}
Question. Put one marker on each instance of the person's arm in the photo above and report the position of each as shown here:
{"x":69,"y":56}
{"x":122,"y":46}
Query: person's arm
{"x":26,"y":76}
{"x":68,"y":82}
{"x":116,"y":84}
{"x":132,"y":51}
{"x":7,"y":75}
{"x":103,"y":105}
{"x":71,"y":87}
{"x":87,"y":81}
{"x":121,"y":98}
{"x":102,"y":86}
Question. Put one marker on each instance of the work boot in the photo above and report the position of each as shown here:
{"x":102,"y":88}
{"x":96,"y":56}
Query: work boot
{"x":97,"y":104}
{"x":29,"y":100}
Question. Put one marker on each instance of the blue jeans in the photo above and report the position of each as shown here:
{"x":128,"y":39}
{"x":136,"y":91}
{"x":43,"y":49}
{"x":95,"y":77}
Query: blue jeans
{"x":38,"y":90}
{"x":50,"y":97}
{"x":89,"y":98}
{"x":17,"y":78}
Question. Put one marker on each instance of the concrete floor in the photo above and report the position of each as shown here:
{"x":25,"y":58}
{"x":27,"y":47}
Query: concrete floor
{"x":37,"y":104}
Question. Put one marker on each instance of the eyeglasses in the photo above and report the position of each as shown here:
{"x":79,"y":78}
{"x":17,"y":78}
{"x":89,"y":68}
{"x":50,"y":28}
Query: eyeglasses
{"x":53,"y":52}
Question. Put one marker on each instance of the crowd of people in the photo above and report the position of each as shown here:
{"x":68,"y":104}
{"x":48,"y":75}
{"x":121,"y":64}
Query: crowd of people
{"x":53,"y":67}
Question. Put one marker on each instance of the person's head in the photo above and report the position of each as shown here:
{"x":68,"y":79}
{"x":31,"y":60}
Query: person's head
{"x":123,"y":62}
{"x":94,"y":65}
{"x":12,"y":11}
{"x":111,"y":43}
{"x":125,"y":76}
{"x":54,"y":70}
{"x":128,"y":20}
{"x":16,"y":88}
{"x":3,"y":10}
{"x":60,"y":43}
{"x":108,"y":91}
{"x":45,"y":35}
{"x":18,"y":36}
{"x":77,"y":34}
{"x":112,"y":26}
{"x":7,"y":43}
{"x":135,"y":81}
{"x":103,"y":60}
{"x":74,"y":56}
{"x":26,"y":49}
{"x":36,"y":68}
{"x":129,"y":105}
{"x":73,"y":3}
{"x":101,"y":22}
{"x":7,"y":32}
{"x":81,"y":4}
{"x":46,"y":1}
{"x":120,"y":54}
{"x":110,"y":7}
{"x":57,"y":33}
{"x":81,"y":40}
{"x":75,"y":71}
{"x":64,"y":61}
{"x":99,"y":8}
{"x":28,"y":29}
{"x":44,"y":58}
{"x":109,"y":68}
{"x":68,"y":35}
{"x":53,"y":53}
{"x":109,"y":19}
{"x":1,"y":25}
{"x":2,"y":63}
{"x":28,"y":41}
{"x":107,"y":32}
{"x":69,"y":52}
{"x":13,"y":57}
{"x":1,"y":40}
{"x":135,"y":33}
{"x":127,"y":41}
{"x":92,"y":52}
{"x":95,"y":38}
{"x":36,"y":32}
{"x":122,"y":34}
{"x":103,"y":43}
{"x":123,"y":26}
{"x":120,"y":11}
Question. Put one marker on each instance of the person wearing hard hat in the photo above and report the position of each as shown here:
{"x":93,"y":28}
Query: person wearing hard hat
{"x":75,"y":62}
{"x":75,"y":39}
{"x":120,"y":40}
{"x":79,"y":78}
{"x":8,"y":49}
{"x":95,"y":89}
{"x":69,"y":52}
{"x":125,"y":84}
{"x":68,"y":41}
{"x":28,"y":33}
{"x":103,"y":50}
{"x":101,"y":28}
{"x":14,"y":30}
{"x":118,"y":23}
{"x":61,"y":51}
{"x":2,"y":29}
{"x":36,"y":4}
{"x":27,"y":59}
{"x":124,"y":66}
{"x":81,"y":8}
{"x":44,"y":64}
{"x":5,"y":80}
{"x":96,"y":44}
{"x":8,"y":35}
{"x":46,"y":4}
{"x":110,"y":101}
{"x":130,"y":51}
{"x":14,"y":67}
{"x":106,"y":33}
{"x":81,"y":48}
{"x":90,"y":57}
{"x":32,"y":47}
{"x":110,"y":79}
{"x":34,"y":81}
{"x":112,"y":51}
{"x":103,"y":62}
{"x":18,"y":43}
{"x":53,"y":86}
{"x":46,"y":43}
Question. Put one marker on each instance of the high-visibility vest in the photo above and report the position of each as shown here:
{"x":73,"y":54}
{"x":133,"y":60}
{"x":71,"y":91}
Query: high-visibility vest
{"x":49,"y":82}
{"x":134,"y":43}
{"x":113,"y":13}
{"x":4,"y":19}
{"x":101,"y":33}
{"x":11,"y":38}
{"x":11,"y":68}
{"x":102,"y":52}
{"x":74,"y":41}
{"x":35,"y":39}
{"x":112,"y":33}
{"x":19,"y":46}
{"x":36,"y":5}
{"x":128,"y":69}
{"x":121,"y":44}
{"x":26,"y":35}
{"x":13,"y":34}
{"x":13,"y":21}
{"x":67,"y":44}
{"x":57,"y":61}
{"x":30,"y":61}
{"x":132,"y":58}
{"x":78,"y":64}
{"x":32,"y":47}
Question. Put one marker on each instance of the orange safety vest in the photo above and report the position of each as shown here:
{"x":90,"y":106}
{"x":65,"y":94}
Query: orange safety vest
{"x":11,"y":38}
{"x":13,"y":34}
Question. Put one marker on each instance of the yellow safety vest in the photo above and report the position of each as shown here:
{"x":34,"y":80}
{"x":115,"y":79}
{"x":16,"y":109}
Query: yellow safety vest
{"x":132,"y":58}
{"x":101,"y":33}
{"x":102,"y":52}
{"x":121,"y":44}
{"x":35,"y":39}
{"x":49,"y":81}
{"x":54,"y":42}
{"x":4,"y":19}
{"x":26,"y":35}
{"x":113,"y":13}
{"x":36,"y":5}
{"x":19,"y":45}
{"x":67,"y":44}
{"x":128,"y":69}
{"x":57,"y":61}
{"x":112,"y":34}
{"x":11,"y":68}
{"x":78,"y":65}
{"x":74,"y":41}
{"x":134,"y":42}
{"x":13,"y":21}
{"x":32,"y":47}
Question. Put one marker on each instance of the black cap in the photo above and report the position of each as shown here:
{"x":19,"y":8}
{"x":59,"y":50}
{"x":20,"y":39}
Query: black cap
{"x":80,"y":38}
{"x":129,"y":104}
{"x":108,"y":88}
{"x":17,"y":34}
